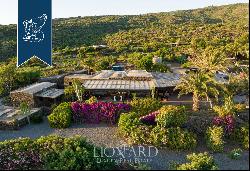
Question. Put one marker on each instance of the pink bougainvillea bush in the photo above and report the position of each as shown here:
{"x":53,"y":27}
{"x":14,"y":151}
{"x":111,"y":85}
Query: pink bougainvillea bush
{"x":228,"y":123}
{"x":98,"y":111}
{"x":150,"y":118}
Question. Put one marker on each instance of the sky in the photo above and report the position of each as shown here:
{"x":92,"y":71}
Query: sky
{"x":74,"y":8}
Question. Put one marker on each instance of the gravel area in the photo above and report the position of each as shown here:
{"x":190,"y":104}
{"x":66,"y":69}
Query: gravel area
{"x":104,"y":135}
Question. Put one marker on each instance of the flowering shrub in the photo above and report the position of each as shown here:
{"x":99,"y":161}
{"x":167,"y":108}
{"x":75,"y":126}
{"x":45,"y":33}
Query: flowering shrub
{"x":139,"y":129}
{"x":61,"y":116}
{"x":227,"y":122}
{"x":19,"y":155}
{"x":98,"y":111}
{"x":150,"y":118}
{"x":214,"y":138}
{"x":171,"y":116}
{"x":20,"y":160}
{"x":201,"y":161}
{"x":52,"y":153}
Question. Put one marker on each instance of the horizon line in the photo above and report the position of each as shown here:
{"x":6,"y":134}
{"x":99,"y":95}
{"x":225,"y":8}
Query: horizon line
{"x":147,"y":13}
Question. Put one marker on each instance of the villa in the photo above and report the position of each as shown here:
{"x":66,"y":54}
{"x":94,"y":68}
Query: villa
{"x":110,"y":82}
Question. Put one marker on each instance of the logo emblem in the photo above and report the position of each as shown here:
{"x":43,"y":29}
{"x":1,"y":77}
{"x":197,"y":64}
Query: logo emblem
{"x":33,"y":29}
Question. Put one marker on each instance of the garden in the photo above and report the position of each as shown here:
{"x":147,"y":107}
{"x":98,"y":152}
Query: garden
{"x":197,"y":132}
{"x":142,"y":121}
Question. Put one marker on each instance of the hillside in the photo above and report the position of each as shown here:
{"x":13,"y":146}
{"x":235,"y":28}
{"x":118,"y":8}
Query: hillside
{"x":167,"y":33}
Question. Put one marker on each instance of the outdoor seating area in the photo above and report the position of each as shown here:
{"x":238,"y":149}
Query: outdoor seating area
{"x":35,"y":94}
{"x":11,"y":118}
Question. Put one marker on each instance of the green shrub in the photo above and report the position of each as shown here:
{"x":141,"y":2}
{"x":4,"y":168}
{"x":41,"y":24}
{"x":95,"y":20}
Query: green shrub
{"x":79,"y":90}
{"x":61,"y":117}
{"x":201,"y":161}
{"x":214,"y":138}
{"x":245,"y":137}
{"x":53,"y":153}
{"x":174,"y":138}
{"x":25,"y":77}
{"x":21,"y":144}
{"x":158,"y":136}
{"x":127,"y":123}
{"x":72,"y":154}
{"x":229,"y":108}
{"x":49,"y":144}
{"x":180,"y":139}
{"x":235,"y":154}
{"x":24,"y":108}
{"x":239,"y":107}
{"x":69,"y":94}
{"x":241,"y":135}
{"x":171,"y":116}
{"x":137,"y":133}
{"x":140,"y":135}
{"x":145,"y":106}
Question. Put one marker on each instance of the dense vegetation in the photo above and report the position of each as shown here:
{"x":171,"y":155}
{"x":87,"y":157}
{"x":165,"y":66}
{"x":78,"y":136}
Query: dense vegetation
{"x":50,"y":153}
{"x":169,"y":35}
{"x":163,"y":128}
{"x":202,"y":36}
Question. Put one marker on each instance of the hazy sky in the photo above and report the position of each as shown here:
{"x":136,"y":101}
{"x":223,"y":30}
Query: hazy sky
{"x":73,"y":8}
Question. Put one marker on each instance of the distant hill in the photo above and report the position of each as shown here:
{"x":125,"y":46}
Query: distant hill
{"x":211,"y":26}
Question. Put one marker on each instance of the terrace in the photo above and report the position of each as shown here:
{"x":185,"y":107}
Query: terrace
{"x":12,"y":118}
{"x":36,"y":94}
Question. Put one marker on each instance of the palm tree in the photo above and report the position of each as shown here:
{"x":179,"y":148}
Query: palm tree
{"x":79,"y":90}
{"x":210,"y":60}
{"x":200,"y":85}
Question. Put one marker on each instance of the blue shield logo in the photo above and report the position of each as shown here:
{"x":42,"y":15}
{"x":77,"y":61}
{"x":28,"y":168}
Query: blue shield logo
{"x":34,"y":31}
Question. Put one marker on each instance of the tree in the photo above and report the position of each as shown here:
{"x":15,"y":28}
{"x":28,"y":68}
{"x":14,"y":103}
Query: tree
{"x":210,"y":60}
{"x":89,"y":62}
{"x":7,"y":78}
{"x":79,"y":90}
{"x":238,"y":84}
{"x":200,"y":85}
{"x":145,"y":63}
{"x":160,"y":67}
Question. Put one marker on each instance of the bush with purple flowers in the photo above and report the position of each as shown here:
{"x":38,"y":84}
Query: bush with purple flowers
{"x":227,"y":122}
{"x":150,"y":118}
{"x":98,"y":111}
